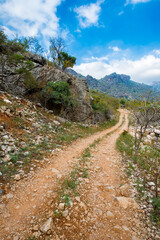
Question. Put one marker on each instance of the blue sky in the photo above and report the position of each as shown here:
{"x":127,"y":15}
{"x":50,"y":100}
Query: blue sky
{"x":105,"y":36}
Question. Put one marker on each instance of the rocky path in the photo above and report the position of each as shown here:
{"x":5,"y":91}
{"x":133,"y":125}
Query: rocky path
{"x":109,"y":211}
{"x":106,"y":207}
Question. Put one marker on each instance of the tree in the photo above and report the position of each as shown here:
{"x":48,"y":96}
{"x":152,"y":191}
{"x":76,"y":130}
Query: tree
{"x":10,"y":53}
{"x":146,"y":113}
{"x":57,"y":45}
{"x":32,"y":45}
{"x":122,"y":102}
{"x":60,"y":58}
{"x":67,"y":60}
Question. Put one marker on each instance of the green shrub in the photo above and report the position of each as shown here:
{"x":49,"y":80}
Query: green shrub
{"x":30,"y":81}
{"x":103,"y":103}
{"x":58,"y":92}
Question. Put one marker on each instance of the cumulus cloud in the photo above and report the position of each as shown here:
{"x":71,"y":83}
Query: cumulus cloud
{"x":144,"y":70}
{"x":88,"y":15}
{"x":136,"y":1}
{"x":115,"y":49}
{"x":30,"y":17}
{"x":156,"y":51}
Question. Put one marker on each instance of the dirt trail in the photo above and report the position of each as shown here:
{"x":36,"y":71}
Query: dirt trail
{"x":29,"y":197}
{"x":106,"y":208}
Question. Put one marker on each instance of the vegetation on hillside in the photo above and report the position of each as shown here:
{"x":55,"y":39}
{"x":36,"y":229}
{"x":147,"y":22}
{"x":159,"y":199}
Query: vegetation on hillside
{"x":145,"y":168}
{"x":32,"y":134}
{"x":16,"y":54}
{"x":118,"y":85}
{"x":12,"y":53}
{"x":59,"y":57}
{"x":142,"y":161}
{"x":57,"y":93}
{"x":145,"y":113}
{"x":104,"y":104}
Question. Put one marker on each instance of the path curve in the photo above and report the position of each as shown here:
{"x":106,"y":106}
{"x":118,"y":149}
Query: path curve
{"x":31,"y":195}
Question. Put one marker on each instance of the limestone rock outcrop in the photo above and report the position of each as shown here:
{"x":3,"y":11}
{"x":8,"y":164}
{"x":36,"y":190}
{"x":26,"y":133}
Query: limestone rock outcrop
{"x":14,"y":83}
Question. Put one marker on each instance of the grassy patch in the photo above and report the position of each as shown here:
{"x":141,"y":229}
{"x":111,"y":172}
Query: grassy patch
{"x":69,"y":186}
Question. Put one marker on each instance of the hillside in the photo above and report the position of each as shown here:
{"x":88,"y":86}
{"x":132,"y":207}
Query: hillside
{"x":118,"y":85}
{"x":27,"y":74}
{"x":29,"y":133}
{"x":156,"y":85}
{"x":59,"y":191}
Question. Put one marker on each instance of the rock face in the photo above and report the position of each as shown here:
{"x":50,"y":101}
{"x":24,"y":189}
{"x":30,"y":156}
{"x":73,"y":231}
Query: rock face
{"x":15,"y":84}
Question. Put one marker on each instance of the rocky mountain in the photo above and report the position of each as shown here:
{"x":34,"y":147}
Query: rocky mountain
{"x":156,"y":85}
{"x":119,"y":86}
{"x":40,"y":74}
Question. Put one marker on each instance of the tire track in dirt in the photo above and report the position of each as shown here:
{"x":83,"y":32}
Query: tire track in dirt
{"x":31,"y":195}
{"x":106,"y":208}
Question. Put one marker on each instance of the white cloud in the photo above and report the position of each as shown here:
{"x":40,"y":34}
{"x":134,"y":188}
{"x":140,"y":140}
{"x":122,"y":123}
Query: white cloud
{"x":120,"y":13}
{"x":144,"y":70}
{"x":136,"y":1}
{"x":88,"y":15}
{"x":30,"y":17}
{"x":115,"y":49}
{"x":156,"y":51}
{"x":8,"y":32}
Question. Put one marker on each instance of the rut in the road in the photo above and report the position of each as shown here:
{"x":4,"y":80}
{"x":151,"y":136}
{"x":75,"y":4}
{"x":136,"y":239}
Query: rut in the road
{"x":31,"y":195}
{"x":106,"y":208}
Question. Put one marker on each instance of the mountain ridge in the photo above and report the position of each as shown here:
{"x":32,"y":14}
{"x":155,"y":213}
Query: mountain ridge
{"x":118,"y":85}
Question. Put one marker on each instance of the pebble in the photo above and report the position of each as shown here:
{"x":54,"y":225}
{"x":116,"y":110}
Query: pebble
{"x":9,"y":196}
{"x":77,"y":199}
{"x":16,"y":238}
{"x":35,"y":228}
{"x":125,"y":228}
{"x":117,"y":228}
{"x":61,"y":206}
{"x":110,"y":215}
{"x":17,"y":177}
{"x":65,"y":213}
{"x":2,"y":192}
{"x":47,"y":225}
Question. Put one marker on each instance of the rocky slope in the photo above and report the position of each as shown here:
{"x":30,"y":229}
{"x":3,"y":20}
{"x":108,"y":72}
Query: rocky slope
{"x":81,"y":194}
{"x":118,"y":85}
{"x":29,"y":133}
{"x":15,"y":84}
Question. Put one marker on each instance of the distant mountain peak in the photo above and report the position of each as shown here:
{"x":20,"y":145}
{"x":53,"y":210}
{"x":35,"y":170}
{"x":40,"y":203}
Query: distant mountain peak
{"x":120,"y":86}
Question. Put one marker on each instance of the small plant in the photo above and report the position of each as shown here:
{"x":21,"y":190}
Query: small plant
{"x":156,"y":213}
{"x":67,"y":199}
{"x":147,"y":161}
{"x":140,"y":188}
{"x":70,"y":183}
{"x":86,"y":153}
{"x":93,"y":145}
{"x":84,"y":173}
{"x":30,"y":82}
{"x":57,"y":214}
{"x":14,"y":157}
